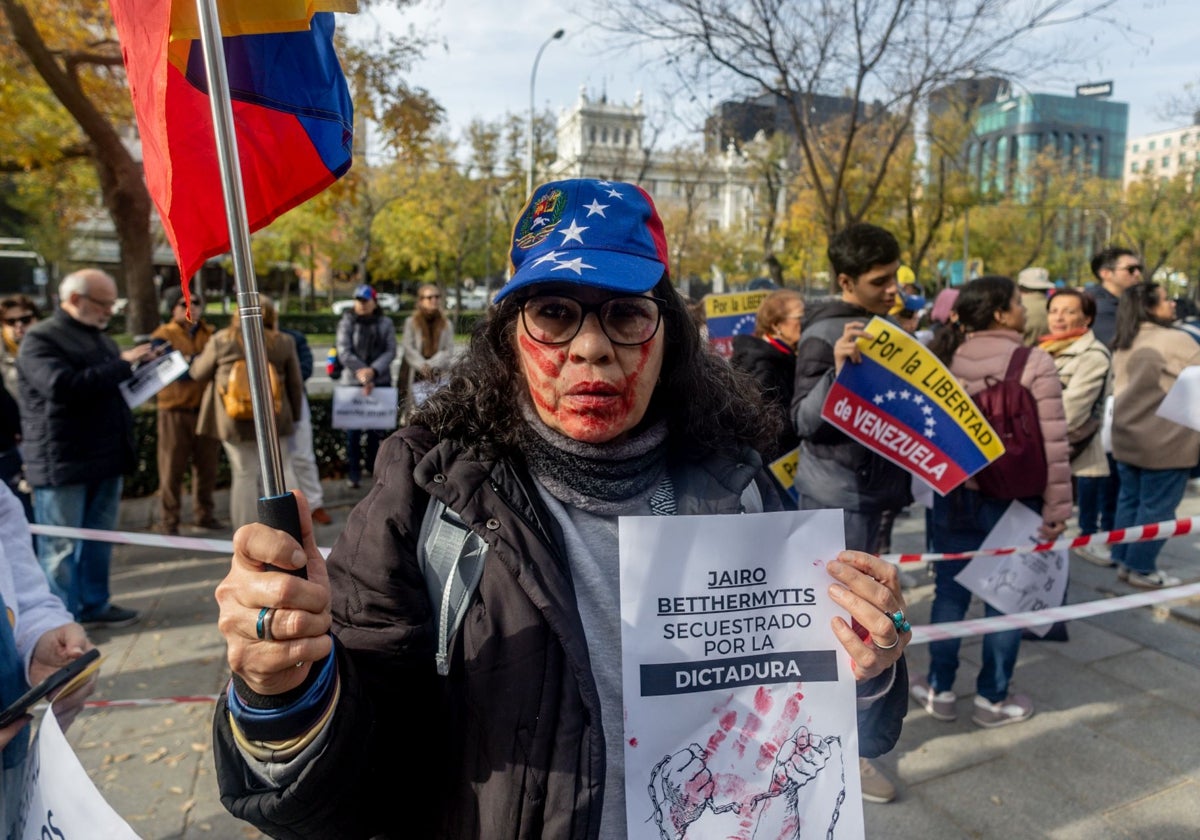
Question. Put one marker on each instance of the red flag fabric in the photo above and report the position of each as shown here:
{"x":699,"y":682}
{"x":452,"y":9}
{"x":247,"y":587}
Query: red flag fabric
{"x":292,"y":114}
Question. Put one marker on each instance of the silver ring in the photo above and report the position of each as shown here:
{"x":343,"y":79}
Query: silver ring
{"x":895,"y":642}
{"x":262,"y":628}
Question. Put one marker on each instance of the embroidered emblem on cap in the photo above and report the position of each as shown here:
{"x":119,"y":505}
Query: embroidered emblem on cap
{"x":540,"y":220}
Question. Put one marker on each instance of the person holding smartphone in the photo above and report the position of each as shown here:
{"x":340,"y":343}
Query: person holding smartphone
{"x":39,"y":637}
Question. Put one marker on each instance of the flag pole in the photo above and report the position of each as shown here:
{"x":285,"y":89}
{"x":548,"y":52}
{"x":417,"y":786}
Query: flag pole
{"x":278,"y":506}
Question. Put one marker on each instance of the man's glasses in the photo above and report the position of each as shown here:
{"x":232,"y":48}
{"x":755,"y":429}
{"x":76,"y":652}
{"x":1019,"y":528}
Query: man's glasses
{"x":627,"y":321}
{"x":103,"y":304}
{"x":1136,"y":268}
{"x":430,"y":297}
{"x":23,"y":320}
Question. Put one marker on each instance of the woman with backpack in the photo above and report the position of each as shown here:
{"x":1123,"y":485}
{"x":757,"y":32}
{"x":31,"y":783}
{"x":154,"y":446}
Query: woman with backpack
{"x":1153,"y":454}
{"x":991,"y":319}
{"x":223,"y":408}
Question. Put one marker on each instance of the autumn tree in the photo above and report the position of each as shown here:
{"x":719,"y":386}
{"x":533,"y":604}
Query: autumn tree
{"x":64,"y":59}
{"x":884,"y":58}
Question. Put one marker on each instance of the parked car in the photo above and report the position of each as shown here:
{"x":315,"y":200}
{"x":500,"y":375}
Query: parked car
{"x":474,"y":300}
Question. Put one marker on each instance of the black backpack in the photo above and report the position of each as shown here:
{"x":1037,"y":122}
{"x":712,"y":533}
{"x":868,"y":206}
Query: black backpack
{"x":1012,"y":411}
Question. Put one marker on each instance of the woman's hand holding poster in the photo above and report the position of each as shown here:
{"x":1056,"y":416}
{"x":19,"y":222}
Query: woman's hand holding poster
{"x":740,"y":705}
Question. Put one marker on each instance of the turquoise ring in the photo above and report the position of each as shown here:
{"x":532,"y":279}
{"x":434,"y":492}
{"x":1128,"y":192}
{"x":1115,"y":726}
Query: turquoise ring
{"x":898,"y":621}
{"x":262,"y":628}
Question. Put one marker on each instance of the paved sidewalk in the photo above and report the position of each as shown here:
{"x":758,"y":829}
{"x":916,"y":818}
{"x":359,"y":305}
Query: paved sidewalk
{"x":1112,"y":752}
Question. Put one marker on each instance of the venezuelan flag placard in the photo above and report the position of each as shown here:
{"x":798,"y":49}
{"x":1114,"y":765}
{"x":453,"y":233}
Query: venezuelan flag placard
{"x":291,"y":109}
{"x":903,"y":403}
{"x":730,"y":315}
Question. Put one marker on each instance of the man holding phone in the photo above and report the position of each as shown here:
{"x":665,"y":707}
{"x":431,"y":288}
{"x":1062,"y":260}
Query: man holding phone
{"x":37,"y":637}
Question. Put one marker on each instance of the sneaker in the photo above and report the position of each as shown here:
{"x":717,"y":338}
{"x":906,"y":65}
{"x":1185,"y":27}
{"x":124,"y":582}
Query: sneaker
{"x":1153,"y":580}
{"x":320,"y":516}
{"x":110,"y":616}
{"x":1099,"y":555}
{"x":939,"y":704}
{"x":1012,"y":709}
{"x":876,"y":787}
{"x":1123,"y":574}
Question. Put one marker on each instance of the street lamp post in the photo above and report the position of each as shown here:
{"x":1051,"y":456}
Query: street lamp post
{"x":529,"y":140}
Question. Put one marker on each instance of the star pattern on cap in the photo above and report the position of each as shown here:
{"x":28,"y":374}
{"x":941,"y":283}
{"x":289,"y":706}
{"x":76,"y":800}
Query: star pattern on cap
{"x":577,"y":265}
{"x":596,"y":208}
{"x":552,"y":256}
{"x":615,"y":194}
{"x":571,"y":234}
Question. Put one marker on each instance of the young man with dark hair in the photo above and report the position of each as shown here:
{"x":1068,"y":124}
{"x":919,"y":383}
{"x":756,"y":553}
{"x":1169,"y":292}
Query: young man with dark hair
{"x":836,"y":471}
{"x":1115,"y":269}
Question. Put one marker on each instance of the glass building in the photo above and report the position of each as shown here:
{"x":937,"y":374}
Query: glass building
{"x":1088,"y":133}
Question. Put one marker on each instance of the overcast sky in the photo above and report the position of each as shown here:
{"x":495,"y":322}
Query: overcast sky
{"x":484,"y":51}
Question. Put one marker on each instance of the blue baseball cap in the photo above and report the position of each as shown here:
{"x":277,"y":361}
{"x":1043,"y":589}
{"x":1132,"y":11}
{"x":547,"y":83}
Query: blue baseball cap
{"x":364,"y":292}
{"x":603,"y":234}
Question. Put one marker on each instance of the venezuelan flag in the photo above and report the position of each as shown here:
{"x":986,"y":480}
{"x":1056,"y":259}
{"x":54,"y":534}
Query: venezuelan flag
{"x":291,"y":107}
{"x":903,"y":403}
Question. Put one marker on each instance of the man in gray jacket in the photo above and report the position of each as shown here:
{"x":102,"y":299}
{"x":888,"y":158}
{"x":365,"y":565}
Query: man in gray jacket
{"x":836,"y":471}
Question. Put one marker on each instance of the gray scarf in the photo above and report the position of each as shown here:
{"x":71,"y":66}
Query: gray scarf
{"x":604,"y":479}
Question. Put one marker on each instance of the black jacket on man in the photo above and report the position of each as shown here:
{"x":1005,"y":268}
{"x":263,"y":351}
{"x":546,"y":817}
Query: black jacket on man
{"x":75,"y":425}
{"x":509,"y":745}
{"x":836,"y":471}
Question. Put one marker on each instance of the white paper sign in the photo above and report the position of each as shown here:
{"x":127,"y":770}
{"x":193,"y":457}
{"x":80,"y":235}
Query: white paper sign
{"x":1182,"y":403}
{"x":1017,"y":582}
{"x":60,"y":800}
{"x":151,"y":377}
{"x":353,"y":409}
{"x":740,"y":712}
{"x":424,"y":389}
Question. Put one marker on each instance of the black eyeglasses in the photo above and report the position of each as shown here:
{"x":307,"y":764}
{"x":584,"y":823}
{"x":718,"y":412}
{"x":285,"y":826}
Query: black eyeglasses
{"x":103,"y":304}
{"x":628,"y":320}
{"x":24,"y":320}
{"x":1136,"y":268}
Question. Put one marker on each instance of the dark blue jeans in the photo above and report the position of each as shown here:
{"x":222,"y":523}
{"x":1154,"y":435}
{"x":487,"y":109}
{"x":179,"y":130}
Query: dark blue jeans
{"x":1097,"y":497}
{"x":78,"y":569}
{"x":961,"y":521}
{"x":1146,"y":496}
{"x":354,"y":462}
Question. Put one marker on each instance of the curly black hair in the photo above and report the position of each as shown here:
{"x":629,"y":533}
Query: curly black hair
{"x":708,"y":406}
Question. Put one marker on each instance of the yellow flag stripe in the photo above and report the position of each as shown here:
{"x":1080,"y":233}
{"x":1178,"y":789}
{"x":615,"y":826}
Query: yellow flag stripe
{"x":254,"y":17}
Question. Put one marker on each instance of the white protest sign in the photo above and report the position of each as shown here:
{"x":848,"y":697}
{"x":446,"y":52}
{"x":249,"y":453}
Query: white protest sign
{"x":60,"y":800}
{"x":423,"y":389}
{"x":1182,"y":403}
{"x":740,"y":706}
{"x":1014,"y":583}
{"x":151,"y":377}
{"x":353,"y":409}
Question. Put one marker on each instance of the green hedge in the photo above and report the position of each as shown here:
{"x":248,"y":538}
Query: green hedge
{"x":329,"y":445}
{"x":312,"y":323}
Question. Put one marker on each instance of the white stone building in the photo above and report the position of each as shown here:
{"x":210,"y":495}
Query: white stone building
{"x":1163,"y":153}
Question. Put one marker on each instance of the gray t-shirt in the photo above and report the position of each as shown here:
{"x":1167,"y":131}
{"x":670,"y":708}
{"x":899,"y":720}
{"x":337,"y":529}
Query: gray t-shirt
{"x":593,"y":554}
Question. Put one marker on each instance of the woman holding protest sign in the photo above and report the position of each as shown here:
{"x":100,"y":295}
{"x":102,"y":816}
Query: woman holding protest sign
{"x":979,"y":350}
{"x":587,"y":394}
{"x":1154,"y":455}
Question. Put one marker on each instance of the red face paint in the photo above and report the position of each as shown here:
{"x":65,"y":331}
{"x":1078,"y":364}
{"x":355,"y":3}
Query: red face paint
{"x":594,"y":402}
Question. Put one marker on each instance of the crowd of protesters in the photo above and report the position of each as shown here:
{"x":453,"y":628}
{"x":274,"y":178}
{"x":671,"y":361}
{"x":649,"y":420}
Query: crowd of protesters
{"x":510,"y":436}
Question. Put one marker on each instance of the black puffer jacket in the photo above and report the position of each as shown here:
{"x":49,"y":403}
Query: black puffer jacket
{"x":75,"y":424}
{"x":775,"y":372}
{"x":509,"y":745}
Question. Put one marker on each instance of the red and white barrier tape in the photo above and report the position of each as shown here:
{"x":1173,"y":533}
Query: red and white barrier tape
{"x":925,"y":633}
{"x":1137,"y":533}
{"x":152,"y":540}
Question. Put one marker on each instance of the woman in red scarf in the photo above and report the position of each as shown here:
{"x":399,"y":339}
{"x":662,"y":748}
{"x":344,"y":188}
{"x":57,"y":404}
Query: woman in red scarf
{"x":1085,"y":367}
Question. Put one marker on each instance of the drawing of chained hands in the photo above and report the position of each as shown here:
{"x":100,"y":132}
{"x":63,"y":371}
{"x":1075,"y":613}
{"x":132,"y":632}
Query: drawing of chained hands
{"x":681,"y":790}
{"x":800,"y":760}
